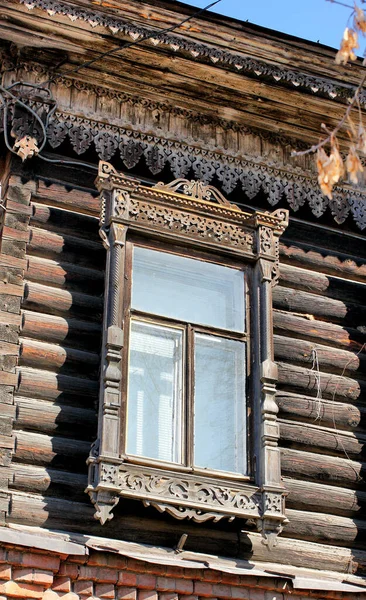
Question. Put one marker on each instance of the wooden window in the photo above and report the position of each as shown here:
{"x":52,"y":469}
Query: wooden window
{"x":186,"y":362}
{"x":188,"y":377}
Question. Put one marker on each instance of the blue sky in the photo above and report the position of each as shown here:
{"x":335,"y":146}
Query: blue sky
{"x":309,"y":19}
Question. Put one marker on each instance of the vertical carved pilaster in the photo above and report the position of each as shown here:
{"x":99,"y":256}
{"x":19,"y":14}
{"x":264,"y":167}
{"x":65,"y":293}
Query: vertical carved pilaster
{"x":110,"y":388}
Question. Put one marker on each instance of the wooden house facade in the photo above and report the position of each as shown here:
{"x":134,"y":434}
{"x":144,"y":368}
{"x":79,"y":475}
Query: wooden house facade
{"x":99,"y":85}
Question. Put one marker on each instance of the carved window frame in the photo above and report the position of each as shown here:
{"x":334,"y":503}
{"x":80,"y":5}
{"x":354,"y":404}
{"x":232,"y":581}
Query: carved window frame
{"x":198,"y":216}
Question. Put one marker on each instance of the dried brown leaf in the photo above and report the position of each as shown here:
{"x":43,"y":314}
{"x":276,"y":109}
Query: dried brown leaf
{"x":348,"y":45}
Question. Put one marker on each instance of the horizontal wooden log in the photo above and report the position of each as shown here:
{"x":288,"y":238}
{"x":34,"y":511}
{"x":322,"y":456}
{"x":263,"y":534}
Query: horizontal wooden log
{"x":73,"y":200}
{"x":41,"y":480}
{"x":313,"y":330}
{"x":315,"y":437}
{"x":65,"y":275}
{"x":305,"y":495}
{"x":56,"y":418}
{"x":326,"y":529}
{"x":71,"y":249}
{"x":52,"y":451}
{"x":329,"y":239}
{"x":61,"y":514}
{"x":308,"y":381}
{"x":61,"y":329}
{"x":325,"y":261}
{"x":327,"y":359}
{"x":59,"y":220}
{"x":53,"y":357}
{"x":298,"y":301}
{"x":319,"y":283}
{"x":34,"y":383}
{"x":54,"y":300}
{"x":336,"y":471}
{"x":331,"y":414}
{"x":11,"y":289}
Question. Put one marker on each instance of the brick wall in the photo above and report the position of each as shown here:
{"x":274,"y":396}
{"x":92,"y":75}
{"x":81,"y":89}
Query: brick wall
{"x":33,"y":574}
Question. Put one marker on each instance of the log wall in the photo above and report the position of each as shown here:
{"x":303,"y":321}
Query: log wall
{"x":318,"y":316}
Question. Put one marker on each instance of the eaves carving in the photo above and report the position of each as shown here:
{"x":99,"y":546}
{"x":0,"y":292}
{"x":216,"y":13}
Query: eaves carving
{"x":252,"y":174}
{"x":8,"y":64}
{"x":199,"y":51}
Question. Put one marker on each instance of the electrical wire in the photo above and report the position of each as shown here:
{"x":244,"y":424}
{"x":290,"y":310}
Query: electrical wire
{"x":87,"y":63}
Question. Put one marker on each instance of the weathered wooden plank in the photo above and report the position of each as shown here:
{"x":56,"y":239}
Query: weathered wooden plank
{"x":308,"y":381}
{"x":8,"y":378}
{"x":326,"y":529}
{"x":60,"y":220}
{"x":323,"y":260}
{"x":10,"y":233}
{"x":298,"y":301}
{"x":11,"y":289}
{"x":61,"y":329}
{"x":55,"y":451}
{"x":305,"y":328}
{"x":319,"y":283}
{"x":71,"y":199}
{"x":313,"y":467}
{"x":64,"y":275}
{"x":315,"y":437}
{"x":9,"y":260}
{"x":70,"y":421}
{"x":35,"y":383}
{"x":55,"y":301}
{"x":53,"y":357}
{"x":72,"y":249}
{"x":41,"y":480}
{"x":9,"y":319}
{"x":328,"y":359}
{"x":325,"y":412}
{"x":327,"y":499}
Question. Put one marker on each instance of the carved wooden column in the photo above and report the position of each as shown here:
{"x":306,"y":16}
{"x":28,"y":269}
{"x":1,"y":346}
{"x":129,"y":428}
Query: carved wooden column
{"x":269,"y":467}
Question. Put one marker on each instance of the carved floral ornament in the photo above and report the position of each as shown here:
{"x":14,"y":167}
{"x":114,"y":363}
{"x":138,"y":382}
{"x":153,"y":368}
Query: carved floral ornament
{"x":195,"y":215}
{"x":196,"y":50}
{"x":277,"y":181}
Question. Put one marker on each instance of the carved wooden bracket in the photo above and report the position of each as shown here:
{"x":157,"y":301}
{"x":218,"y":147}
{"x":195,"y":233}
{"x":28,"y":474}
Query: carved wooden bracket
{"x":196,"y":215}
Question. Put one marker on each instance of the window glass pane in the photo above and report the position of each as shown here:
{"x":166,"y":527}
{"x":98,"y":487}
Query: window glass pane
{"x":154,"y":405}
{"x":187,"y":289}
{"x":219,"y":404}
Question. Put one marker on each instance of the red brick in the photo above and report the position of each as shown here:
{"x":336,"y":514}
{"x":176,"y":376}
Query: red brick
{"x":28,"y":559}
{"x":184,"y":586}
{"x":228,"y":578}
{"x":83,"y":588}
{"x":147,"y":595}
{"x":169,"y":596}
{"x":137,"y":565}
{"x":5,"y":572}
{"x":127,"y":579}
{"x":126,"y":593}
{"x":29,"y":575}
{"x":203,"y":589}
{"x":69,"y":570}
{"x":98,"y":574}
{"x":223,"y":591}
{"x":211,"y":575}
{"x":164,"y":584}
{"x":104,"y":590}
{"x":191,"y":598}
{"x":62,"y":584}
{"x":21,"y":590}
{"x":257,"y":594}
{"x":50,"y":595}
{"x":101,"y":559}
{"x":146,"y":582}
{"x":176,"y":572}
{"x":240,"y":593}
